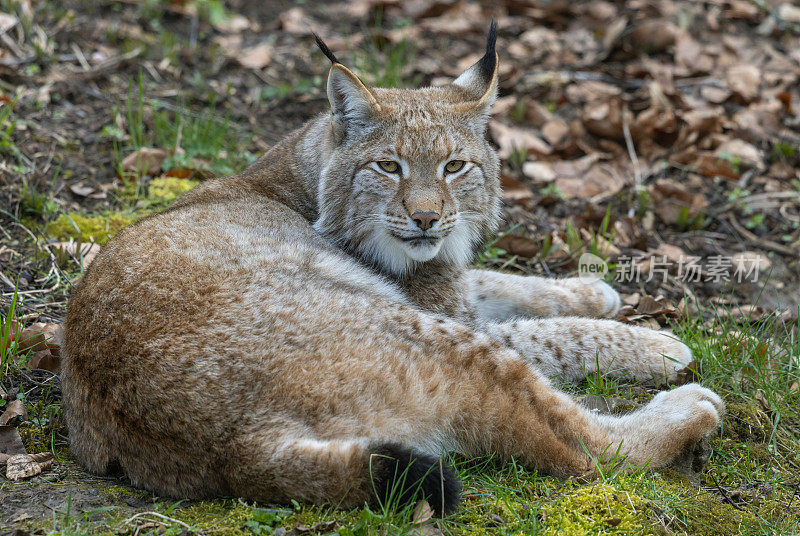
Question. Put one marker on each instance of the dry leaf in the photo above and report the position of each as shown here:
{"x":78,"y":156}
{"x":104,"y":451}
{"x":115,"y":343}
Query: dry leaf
{"x":674,"y":204}
{"x":672,"y":253}
{"x":712,"y":165}
{"x":604,"y":118}
{"x":604,"y":247}
{"x":232,"y":24}
{"x":717,"y":95}
{"x":45,"y":360}
{"x":514,"y":192}
{"x":762,"y":400}
{"x":88,"y":250}
{"x":518,"y":245}
{"x":555,"y":131}
{"x":689,"y":54}
{"x":789,"y":13}
{"x":704,"y":120}
{"x":598,"y":180}
{"x":687,"y":374}
{"x":145,"y":161}
{"x":653,"y":35}
{"x":31,"y":338}
{"x":750,"y":260}
{"x":745,"y":154}
{"x":81,"y":190}
{"x":256,"y":57}
{"x":539,"y":171}
{"x":295,"y":21}
{"x":422,"y":512}
{"x":10,"y":441}
{"x":3,"y":394}
{"x":15,"y":408}
{"x":631,"y":300}
{"x":648,"y":305}
{"x":516,"y":138}
{"x":742,"y":9}
{"x":21,"y":466}
{"x":744,"y":80}
{"x":41,"y":336}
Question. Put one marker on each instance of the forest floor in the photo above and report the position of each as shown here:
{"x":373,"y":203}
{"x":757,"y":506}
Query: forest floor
{"x":662,"y":136}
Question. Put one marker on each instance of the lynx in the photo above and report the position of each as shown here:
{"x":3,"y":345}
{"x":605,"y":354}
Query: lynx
{"x":311,"y":328}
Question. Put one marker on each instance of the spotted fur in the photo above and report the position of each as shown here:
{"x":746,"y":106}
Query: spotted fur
{"x":293,"y":332}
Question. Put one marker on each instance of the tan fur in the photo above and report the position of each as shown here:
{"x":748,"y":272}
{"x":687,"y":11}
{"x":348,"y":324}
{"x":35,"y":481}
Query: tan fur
{"x":257,"y":337}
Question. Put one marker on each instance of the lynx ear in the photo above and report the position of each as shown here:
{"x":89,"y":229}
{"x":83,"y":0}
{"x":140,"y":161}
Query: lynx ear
{"x":350,"y":99}
{"x":480,"y":80}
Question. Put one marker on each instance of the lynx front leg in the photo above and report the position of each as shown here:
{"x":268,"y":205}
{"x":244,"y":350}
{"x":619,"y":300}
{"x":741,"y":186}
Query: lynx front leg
{"x":571,"y":347}
{"x":499,"y":297}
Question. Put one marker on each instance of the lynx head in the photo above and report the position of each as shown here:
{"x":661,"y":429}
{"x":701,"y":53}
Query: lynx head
{"x":407,"y":176}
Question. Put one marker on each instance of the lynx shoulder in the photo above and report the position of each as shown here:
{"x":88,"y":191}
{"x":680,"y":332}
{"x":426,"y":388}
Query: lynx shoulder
{"x":310,"y":328}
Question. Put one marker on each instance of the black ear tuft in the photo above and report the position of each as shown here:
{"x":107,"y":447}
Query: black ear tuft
{"x":325,"y":50}
{"x":488,"y":62}
{"x":401,"y":475}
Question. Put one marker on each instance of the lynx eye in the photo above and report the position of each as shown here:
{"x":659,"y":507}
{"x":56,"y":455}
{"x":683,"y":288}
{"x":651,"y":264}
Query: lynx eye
{"x":389,"y":166}
{"x":454,"y":165}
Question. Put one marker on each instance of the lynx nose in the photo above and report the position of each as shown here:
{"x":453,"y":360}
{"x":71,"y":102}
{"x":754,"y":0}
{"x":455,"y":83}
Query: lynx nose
{"x":425,"y":220}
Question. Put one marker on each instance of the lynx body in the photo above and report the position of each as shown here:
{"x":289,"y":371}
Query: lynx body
{"x":310,"y":329}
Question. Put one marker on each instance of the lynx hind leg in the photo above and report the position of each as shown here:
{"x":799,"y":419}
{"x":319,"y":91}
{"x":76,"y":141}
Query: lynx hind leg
{"x":342,"y":472}
{"x":672,"y":422}
{"x":572,"y":347}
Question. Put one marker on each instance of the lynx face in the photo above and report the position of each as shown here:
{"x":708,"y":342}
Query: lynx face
{"x":409,"y":176}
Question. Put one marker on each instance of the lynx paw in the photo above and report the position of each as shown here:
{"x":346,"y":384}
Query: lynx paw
{"x":669,"y":357}
{"x":610,"y":299}
{"x":672,"y":422}
{"x":688,"y":413}
{"x":596,"y":298}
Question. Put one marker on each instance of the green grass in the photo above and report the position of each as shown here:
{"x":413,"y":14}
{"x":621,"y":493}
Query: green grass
{"x":382,"y":63}
{"x":8,"y":344}
{"x":201,"y":140}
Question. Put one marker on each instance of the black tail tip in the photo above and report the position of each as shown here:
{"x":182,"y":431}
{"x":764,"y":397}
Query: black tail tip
{"x":400,"y":476}
{"x":324,"y":48}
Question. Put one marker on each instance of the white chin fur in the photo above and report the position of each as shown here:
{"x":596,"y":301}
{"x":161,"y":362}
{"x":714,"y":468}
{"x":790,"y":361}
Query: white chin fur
{"x":398,"y":257}
{"x":421,"y":253}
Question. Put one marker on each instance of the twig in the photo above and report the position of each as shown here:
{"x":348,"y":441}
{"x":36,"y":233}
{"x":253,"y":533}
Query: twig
{"x":7,"y":281}
{"x":50,"y":253}
{"x":156,"y":514}
{"x":794,"y":494}
{"x":754,"y":240}
{"x":637,"y":174}
{"x":80,"y":57}
{"x":723,"y":493}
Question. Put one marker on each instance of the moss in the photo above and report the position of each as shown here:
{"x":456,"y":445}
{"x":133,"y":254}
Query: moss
{"x":745,"y":421}
{"x":225,"y":517}
{"x":708,"y":515}
{"x":169,"y":188}
{"x":598,"y":509}
{"x":702,"y":513}
{"x":486,"y":512}
{"x":116,"y":494}
{"x":87,"y":228}
{"x":34,"y":438}
{"x":674,"y":477}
